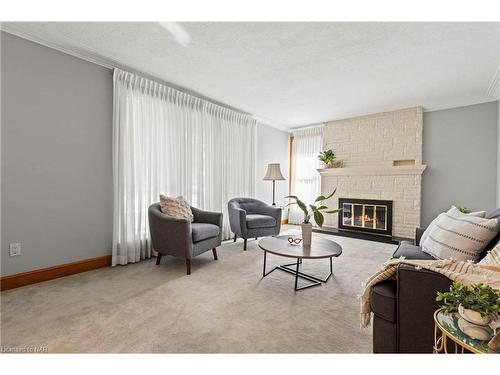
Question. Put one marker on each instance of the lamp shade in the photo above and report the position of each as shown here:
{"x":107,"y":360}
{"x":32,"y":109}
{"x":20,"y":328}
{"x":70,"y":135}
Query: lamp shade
{"x":273,"y":172}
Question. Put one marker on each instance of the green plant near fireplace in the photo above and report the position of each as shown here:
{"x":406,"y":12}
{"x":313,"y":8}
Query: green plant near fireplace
{"x":316,"y":210}
{"x":327,"y":157}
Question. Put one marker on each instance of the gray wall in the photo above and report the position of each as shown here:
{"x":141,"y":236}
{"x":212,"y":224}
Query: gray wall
{"x":56,"y":156}
{"x":272,"y":147}
{"x":460,"y":150}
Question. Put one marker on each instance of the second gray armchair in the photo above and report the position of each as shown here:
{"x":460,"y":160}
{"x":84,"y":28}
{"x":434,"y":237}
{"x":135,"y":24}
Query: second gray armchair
{"x":251,"y":218}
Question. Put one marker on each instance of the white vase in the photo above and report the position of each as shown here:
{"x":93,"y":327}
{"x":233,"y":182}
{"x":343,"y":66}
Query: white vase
{"x":306,"y":233}
{"x":473,"y":316}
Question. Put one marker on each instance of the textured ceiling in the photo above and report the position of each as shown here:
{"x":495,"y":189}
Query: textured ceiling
{"x":297,"y":74}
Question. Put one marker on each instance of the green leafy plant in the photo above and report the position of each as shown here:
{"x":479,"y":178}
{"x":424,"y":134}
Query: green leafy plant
{"x":464,"y":210}
{"x":316,"y":210}
{"x":479,"y":297}
{"x":327,"y":157}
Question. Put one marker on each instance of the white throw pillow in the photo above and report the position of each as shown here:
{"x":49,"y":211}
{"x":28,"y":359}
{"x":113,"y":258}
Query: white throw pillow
{"x":176,"y":207}
{"x":460,"y":237}
{"x":436,"y":220}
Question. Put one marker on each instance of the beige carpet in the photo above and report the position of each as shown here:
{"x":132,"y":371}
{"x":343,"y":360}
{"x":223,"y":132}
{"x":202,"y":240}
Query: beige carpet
{"x":224,"y":306}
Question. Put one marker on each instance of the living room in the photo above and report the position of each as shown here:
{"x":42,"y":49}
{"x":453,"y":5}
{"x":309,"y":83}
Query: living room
{"x":250,"y":187}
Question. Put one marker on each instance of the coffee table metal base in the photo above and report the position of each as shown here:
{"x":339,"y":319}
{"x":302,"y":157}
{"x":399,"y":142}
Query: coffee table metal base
{"x":314,"y":281}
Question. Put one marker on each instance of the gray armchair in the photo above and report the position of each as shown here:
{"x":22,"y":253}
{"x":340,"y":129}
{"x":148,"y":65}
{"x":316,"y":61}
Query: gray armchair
{"x":251,"y":218}
{"x":181,"y":238}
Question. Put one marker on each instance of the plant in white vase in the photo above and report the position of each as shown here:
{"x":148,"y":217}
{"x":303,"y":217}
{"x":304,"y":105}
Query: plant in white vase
{"x":477,"y":306}
{"x":316,"y":210}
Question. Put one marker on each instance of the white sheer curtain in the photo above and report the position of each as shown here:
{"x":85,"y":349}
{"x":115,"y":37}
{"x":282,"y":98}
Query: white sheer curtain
{"x":166,"y":141}
{"x":307,"y":144}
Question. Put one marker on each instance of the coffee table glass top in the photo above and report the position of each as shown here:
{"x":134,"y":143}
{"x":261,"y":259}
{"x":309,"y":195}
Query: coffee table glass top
{"x":320,"y":247}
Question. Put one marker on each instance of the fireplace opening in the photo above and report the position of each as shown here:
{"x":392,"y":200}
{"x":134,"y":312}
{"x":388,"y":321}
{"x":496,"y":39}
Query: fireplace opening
{"x":366,"y":215}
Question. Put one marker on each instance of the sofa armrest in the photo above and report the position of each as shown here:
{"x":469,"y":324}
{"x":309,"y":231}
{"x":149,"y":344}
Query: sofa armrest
{"x":416,"y":304}
{"x":170,"y":235}
{"x":418,"y":235}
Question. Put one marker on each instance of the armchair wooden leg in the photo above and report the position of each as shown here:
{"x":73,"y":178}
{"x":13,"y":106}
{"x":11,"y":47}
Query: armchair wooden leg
{"x":158,"y":258}
{"x":215,"y":253}
{"x":188,"y":266}
{"x":235,"y":236}
{"x":245,"y":245}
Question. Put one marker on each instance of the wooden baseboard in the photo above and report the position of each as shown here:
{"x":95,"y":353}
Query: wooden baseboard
{"x":54,"y":272}
{"x":284,"y":221}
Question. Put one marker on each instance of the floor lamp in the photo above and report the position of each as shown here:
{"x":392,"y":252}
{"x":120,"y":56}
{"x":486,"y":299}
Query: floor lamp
{"x":273,"y":174}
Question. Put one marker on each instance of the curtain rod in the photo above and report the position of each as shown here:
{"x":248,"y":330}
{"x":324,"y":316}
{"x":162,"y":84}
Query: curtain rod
{"x":203,"y":97}
{"x":179,"y":88}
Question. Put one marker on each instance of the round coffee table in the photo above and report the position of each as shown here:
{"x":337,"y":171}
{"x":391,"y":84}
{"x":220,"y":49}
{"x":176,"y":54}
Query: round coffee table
{"x":320,"y":248}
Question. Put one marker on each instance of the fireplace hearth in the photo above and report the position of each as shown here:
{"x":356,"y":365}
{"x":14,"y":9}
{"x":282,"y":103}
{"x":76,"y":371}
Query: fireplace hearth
{"x":366,"y":215}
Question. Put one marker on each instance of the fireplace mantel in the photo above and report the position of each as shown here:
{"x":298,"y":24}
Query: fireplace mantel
{"x":374,"y":170}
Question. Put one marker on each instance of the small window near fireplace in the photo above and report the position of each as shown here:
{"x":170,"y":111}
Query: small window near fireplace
{"x":366,"y":215}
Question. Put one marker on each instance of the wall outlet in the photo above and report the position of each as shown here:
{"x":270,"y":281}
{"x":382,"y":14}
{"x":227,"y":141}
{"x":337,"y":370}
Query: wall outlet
{"x":15,"y":249}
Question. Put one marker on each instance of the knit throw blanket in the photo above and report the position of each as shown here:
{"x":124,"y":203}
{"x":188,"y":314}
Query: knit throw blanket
{"x":466,"y":272}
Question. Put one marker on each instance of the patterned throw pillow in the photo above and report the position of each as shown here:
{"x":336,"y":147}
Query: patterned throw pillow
{"x":459,"y":237}
{"x":440,"y":216}
{"x":176,"y":207}
{"x":493,"y":257}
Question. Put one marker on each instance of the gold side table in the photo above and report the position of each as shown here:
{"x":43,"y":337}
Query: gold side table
{"x":446,"y":331}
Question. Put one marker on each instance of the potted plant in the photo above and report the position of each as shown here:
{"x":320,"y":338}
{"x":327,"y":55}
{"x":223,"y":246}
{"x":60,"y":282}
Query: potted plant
{"x":316,"y":210}
{"x":477,"y":304}
{"x":327,"y":157}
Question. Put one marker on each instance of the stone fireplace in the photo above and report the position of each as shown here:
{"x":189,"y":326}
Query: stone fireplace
{"x":382,"y":158}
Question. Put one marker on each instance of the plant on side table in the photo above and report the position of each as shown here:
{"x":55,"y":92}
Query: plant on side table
{"x":316,"y":210}
{"x":477,"y":306}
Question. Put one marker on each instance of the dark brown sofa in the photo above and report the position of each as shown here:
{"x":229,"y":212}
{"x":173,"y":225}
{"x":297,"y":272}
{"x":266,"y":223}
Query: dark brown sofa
{"x":403,"y":308}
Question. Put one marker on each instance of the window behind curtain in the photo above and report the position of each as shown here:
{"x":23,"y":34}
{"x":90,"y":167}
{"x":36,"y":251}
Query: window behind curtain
{"x":307,"y":144}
